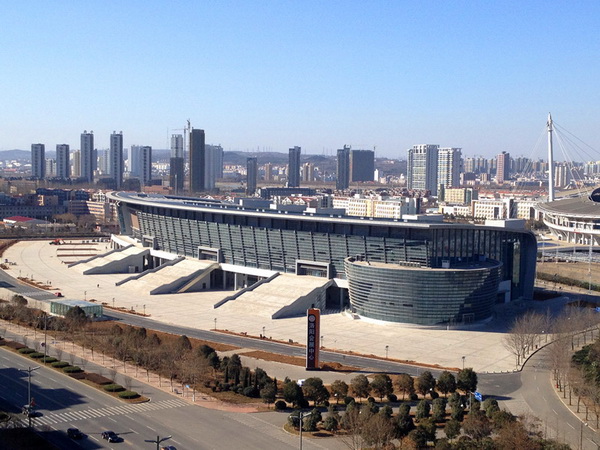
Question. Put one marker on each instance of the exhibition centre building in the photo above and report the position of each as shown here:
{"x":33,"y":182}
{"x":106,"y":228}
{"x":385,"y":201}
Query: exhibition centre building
{"x":392,"y":270}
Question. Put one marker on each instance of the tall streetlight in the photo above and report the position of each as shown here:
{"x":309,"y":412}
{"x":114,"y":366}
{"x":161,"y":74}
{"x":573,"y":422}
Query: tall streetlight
{"x":29,"y":370}
{"x":581,"y":434}
{"x":387,"y":347}
{"x":157,"y":441}
{"x":263,"y":332}
{"x":463,"y":359}
{"x":215,"y":324}
{"x":302,"y":416}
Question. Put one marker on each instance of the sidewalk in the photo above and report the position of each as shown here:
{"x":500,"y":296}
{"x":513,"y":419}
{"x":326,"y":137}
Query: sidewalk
{"x":71,"y":352}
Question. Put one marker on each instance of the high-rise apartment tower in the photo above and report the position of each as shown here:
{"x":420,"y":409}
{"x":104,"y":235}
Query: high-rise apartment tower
{"x":197,"y":160}
{"x":251,"y":175}
{"x":63,"y":163}
{"x":294,"y":167}
{"x":38,"y":161}
{"x":87,"y":157}
{"x":422,"y":167}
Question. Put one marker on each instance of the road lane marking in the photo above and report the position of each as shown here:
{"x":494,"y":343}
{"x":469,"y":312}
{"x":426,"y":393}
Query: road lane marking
{"x":570,"y":425}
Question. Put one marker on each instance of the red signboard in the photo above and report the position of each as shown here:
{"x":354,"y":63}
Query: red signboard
{"x":312,"y":338}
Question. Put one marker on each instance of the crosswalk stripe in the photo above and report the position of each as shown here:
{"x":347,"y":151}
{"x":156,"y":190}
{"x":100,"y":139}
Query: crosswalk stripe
{"x":103,"y":412}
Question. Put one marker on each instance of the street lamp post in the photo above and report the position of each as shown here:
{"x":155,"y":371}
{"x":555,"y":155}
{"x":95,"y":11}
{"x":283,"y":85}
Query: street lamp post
{"x":113,"y":303}
{"x":157,"y":441}
{"x":302,"y":416}
{"x":463,"y":360}
{"x":144,"y":310}
{"x":263,"y":332}
{"x":45,"y":336}
{"x":215,"y":324}
{"x":581,"y":434}
{"x":322,"y":338}
{"x":29,"y":370}
{"x":387,"y":347}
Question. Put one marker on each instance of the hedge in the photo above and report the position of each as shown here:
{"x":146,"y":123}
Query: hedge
{"x":36,"y":355}
{"x":60,"y":364}
{"x":114,"y":388}
{"x":50,"y":359}
{"x":26,"y":350}
{"x":72,"y":369}
{"x":280,"y":405}
{"x":128,"y":394}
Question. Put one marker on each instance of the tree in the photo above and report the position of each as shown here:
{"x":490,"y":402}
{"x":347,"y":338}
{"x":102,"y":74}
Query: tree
{"x":268,"y":393}
{"x":477,"y":425}
{"x":439,"y":409}
{"x":452,"y":429}
{"x":382,"y":385}
{"x":429,"y":427}
{"x":466,"y":380}
{"x":339,"y":389}
{"x":405,"y":384}
{"x":404,"y":423}
{"x":425,"y":383}
{"x":313,"y":389}
{"x":378,"y":431}
{"x":292,"y":393}
{"x":423,"y":409}
{"x":360,"y":386}
{"x":183,"y":344}
{"x":446,"y":383}
{"x":490,"y":406}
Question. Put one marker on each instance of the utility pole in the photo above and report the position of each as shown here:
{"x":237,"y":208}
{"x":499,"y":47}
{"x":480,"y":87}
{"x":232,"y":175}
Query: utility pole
{"x":550,"y":161}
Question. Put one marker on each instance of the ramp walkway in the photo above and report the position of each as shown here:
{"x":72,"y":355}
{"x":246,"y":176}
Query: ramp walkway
{"x":184,"y":276}
{"x":284,"y":296}
{"x":124,"y":260}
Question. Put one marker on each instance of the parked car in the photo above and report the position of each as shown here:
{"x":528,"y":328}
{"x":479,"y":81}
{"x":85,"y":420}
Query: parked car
{"x":58,"y":294}
{"x":168,"y":447}
{"x":111,"y":436}
{"x":74,"y":433}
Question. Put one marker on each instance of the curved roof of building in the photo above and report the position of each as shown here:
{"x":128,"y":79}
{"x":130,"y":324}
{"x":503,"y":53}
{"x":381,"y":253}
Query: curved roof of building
{"x":584,"y":206}
{"x":187,"y":203}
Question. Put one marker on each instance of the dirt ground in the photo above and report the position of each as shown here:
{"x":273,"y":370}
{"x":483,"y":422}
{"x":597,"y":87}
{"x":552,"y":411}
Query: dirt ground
{"x":575,"y":270}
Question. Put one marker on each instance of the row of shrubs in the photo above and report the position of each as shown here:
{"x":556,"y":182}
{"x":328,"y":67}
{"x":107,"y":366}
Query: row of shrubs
{"x":69,"y":369}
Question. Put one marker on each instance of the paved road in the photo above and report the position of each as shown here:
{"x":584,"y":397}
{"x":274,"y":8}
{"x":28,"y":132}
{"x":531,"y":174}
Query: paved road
{"x":526,"y":391}
{"x":65,"y":403}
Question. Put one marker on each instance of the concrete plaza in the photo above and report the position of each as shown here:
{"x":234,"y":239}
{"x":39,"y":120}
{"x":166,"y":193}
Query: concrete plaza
{"x":481,"y":345}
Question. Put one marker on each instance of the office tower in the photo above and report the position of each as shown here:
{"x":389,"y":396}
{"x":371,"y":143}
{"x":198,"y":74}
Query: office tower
{"x":76,"y":164}
{"x":145,"y":160}
{"x":38,"y":161}
{"x":213,"y":165}
{"x":268,"y":172}
{"x":343,"y":168}
{"x":294,"y":167}
{"x":449,"y":167}
{"x":422,"y":167}
{"x":502,"y":167}
{"x":197,"y":160}
{"x":135,"y":161}
{"x":176,"y":168}
{"x":63,"y":164}
{"x":87,"y":157}
{"x":116,"y":158}
{"x":362,"y":165}
{"x":252,"y":175}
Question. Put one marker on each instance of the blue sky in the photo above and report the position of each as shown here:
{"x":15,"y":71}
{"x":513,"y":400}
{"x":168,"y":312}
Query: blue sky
{"x":269,"y":75}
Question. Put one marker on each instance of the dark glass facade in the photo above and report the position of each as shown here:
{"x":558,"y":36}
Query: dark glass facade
{"x":275,"y":240}
{"x":423,"y":295}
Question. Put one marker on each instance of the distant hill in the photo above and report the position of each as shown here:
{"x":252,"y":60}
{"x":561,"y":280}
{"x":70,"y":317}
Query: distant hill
{"x":15,"y":154}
